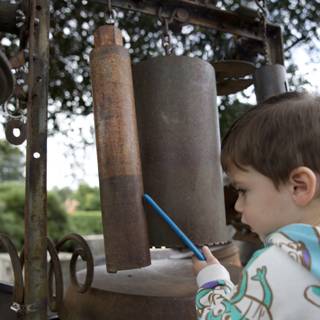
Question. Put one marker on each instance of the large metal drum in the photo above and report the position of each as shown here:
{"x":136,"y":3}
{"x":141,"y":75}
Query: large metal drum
{"x":163,"y":291}
{"x":180,"y":148}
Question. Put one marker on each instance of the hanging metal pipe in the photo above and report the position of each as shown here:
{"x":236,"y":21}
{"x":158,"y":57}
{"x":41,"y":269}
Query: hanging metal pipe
{"x":121,"y":187}
{"x":36,"y":169}
{"x":269,"y":80}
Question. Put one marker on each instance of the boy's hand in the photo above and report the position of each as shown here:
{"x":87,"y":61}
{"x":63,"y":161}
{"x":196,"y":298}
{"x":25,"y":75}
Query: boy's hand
{"x":210,"y":259}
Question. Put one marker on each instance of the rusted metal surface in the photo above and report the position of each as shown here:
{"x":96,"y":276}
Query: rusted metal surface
{"x":180,"y":146}
{"x":36,"y":167}
{"x":269,"y":80}
{"x":6,"y":78}
{"x":164,"y":290}
{"x":121,"y":187}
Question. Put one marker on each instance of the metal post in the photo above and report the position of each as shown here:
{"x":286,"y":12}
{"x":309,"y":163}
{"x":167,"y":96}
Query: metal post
{"x":36,"y":193}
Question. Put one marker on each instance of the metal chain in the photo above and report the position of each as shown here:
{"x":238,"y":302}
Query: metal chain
{"x":263,"y":16}
{"x":166,"y":38}
{"x":19,"y":97}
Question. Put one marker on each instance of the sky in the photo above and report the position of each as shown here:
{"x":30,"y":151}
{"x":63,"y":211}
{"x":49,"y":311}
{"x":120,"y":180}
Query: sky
{"x":68,"y":167}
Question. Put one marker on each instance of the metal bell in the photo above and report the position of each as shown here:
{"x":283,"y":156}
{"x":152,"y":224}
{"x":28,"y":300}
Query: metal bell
{"x":180,"y":148}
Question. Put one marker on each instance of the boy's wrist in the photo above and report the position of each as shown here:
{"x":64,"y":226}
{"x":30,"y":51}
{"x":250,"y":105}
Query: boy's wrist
{"x":212,"y":272}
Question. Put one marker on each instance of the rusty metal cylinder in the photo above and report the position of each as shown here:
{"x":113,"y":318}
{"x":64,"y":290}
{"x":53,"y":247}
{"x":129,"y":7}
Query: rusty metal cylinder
{"x":180,"y":148}
{"x":269,"y":80}
{"x":119,"y":164}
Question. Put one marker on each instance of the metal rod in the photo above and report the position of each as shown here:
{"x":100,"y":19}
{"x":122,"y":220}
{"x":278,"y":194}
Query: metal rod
{"x":36,"y":180}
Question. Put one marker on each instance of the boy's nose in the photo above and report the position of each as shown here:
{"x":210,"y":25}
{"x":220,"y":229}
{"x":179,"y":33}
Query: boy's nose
{"x":238,"y":205}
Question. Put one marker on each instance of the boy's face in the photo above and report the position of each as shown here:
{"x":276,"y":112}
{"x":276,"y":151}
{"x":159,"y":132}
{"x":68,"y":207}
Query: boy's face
{"x":263,"y":207}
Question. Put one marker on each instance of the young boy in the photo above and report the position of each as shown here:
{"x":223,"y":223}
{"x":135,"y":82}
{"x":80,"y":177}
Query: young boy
{"x":272,"y":157}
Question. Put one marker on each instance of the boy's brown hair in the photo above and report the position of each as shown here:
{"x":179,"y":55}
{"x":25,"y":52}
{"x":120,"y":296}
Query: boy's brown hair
{"x":276,"y":137}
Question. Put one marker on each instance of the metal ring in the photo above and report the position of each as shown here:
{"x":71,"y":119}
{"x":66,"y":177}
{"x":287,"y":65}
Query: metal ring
{"x":15,"y":124}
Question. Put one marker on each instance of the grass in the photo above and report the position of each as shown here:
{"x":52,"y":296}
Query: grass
{"x":85,"y":222}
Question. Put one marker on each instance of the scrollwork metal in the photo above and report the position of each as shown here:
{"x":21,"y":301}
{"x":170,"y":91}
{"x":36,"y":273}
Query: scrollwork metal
{"x":55,"y":301}
{"x":83,"y":251}
{"x":55,"y":271}
{"x":8,"y":245}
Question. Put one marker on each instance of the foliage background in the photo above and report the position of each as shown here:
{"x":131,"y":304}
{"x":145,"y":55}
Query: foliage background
{"x":86,"y":219}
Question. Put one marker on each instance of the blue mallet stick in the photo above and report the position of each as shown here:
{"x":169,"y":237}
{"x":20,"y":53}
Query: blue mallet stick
{"x":175,"y":228}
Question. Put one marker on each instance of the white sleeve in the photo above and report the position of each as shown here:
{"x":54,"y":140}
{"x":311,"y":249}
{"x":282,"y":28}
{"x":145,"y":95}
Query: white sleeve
{"x":213,"y":271}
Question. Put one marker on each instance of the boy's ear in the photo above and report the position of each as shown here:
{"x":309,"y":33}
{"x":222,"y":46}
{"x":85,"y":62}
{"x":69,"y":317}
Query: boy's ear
{"x":303,"y":185}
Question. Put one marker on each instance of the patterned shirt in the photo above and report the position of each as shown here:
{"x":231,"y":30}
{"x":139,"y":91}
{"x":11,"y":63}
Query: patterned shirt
{"x":281,"y":281}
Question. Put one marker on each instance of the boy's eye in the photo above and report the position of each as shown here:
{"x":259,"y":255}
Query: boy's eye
{"x":241,"y":191}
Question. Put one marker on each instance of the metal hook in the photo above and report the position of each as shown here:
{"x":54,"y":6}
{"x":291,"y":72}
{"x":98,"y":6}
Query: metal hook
{"x":170,"y":18}
{"x":110,"y":14}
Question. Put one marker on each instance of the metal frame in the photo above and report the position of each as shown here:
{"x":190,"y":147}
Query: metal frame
{"x":203,"y":14}
{"x":36,"y":13}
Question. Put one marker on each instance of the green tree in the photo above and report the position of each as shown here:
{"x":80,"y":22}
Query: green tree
{"x":63,"y":194}
{"x":88,"y":197}
{"x":12,"y":213}
{"x":11,"y":162}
